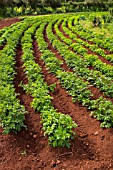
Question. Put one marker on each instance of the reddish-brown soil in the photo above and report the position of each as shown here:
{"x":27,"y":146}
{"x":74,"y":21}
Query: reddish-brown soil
{"x":8,"y":22}
{"x":91,"y":149}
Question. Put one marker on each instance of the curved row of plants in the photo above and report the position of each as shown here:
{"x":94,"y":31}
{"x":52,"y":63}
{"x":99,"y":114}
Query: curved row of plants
{"x":3,"y":30}
{"x":90,"y":58}
{"x":6,"y":32}
{"x":99,"y":39}
{"x":75,"y":85}
{"x":67,"y":27}
{"x":12,"y":113}
{"x":79,"y":64}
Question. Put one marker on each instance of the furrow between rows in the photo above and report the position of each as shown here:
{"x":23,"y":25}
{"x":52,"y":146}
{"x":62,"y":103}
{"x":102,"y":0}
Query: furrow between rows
{"x":62,"y":101}
{"x":59,"y":92}
{"x":54,"y":123}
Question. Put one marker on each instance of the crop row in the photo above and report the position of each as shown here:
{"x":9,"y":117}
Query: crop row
{"x":57,"y":126}
{"x":12,"y":113}
{"x":74,"y":84}
{"x":5,"y":33}
{"x":93,"y":47}
{"x":80,"y":64}
{"x":99,"y":39}
{"x":91,"y":59}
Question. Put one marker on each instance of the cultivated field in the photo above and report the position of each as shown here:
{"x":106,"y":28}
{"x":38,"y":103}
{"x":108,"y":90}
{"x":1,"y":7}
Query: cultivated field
{"x":57,"y":88}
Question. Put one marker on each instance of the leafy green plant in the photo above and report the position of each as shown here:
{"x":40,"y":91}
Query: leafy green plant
{"x":52,"y":87}
{"x":58,"y":127}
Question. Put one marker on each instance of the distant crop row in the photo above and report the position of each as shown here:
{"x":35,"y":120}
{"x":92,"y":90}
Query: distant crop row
{"x":57,"y":126}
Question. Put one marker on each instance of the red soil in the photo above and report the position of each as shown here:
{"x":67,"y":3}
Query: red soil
{"x":28,"y":150}
{"x":8,"y":22}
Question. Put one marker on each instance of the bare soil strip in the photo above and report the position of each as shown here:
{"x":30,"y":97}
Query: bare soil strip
{"x":8,"y":22}
{"x":21,"y":151}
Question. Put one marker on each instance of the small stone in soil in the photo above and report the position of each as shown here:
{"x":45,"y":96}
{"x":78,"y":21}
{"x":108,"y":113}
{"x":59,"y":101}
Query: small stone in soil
{"x":58,"y":162}
{"x":34,"y":136}
{"x":31,"y":134}
{"x":52,"y":164}
{"x":102,"y":137}
{"x":83,"y":135}
{"x":96,"y":133}
{"x":55,"y":169}
{"x":20,"y":159}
